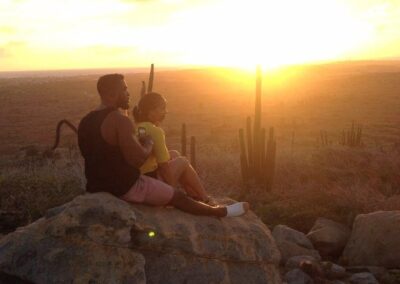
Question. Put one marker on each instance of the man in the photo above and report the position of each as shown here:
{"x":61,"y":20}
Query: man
{"x":113,"y":156}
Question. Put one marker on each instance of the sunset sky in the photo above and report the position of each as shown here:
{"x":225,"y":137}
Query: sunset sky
{"x":69,"y":34}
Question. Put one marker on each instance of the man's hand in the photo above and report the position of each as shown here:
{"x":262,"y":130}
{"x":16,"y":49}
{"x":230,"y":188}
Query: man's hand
{"x":146,"y":140}
{"x":134,"y":152}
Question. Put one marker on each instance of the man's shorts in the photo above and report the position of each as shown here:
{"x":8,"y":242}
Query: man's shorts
{"x":149,"y":191}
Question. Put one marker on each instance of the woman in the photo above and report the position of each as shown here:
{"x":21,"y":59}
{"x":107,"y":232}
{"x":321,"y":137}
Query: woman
{"x":165,"y":165}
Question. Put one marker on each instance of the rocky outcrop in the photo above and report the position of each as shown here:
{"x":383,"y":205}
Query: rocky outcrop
{"x":374,"y":240}
{"x":297,"y":276}
{"x":363,"y":278}
{"x":293,"y":243}
{"x":329,"y":237}
{"x":97,"y":238}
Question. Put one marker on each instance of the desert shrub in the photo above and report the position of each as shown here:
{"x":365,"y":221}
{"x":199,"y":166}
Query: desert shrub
{"x":30,"y":193}
{"x":334,"y":182}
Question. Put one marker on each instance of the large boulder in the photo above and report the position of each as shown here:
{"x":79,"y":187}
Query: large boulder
{"x":329,"y":237}
{"x":374,"y":240}
{"x":97,"y":238}
{"x":293,"y":243}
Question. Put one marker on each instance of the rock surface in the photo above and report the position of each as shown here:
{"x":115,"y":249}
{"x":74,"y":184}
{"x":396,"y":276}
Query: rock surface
{"x":296,"y":261}
{"x":363,"y":278}
{"x":97,"y":238}
{"x":374,"y":240}
{"x":293,"y":243}
{"x":329,"y":237}
{"x":297,"y":276}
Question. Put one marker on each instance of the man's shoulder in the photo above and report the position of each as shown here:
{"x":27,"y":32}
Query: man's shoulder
{"x":122,"y":122}
{"x":85,"y":120}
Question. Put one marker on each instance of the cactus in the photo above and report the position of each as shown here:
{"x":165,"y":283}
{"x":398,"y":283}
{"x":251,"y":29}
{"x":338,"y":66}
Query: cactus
{"x":324,"y":138}
{"x":292,"y":144}
{"x":183,"y":139}
{"x":249,"y":143}
{"x":151,"y":79}
{"x":143,"y":89}
{"x":257,"y":125}
{"x":258,"y":162}
{"x":243,"y":157}
{"x":150,"y":84}
{"x":352,"y":137}
{"x":359,"y":134}
{"x":193,"y":151}
{"x":260,"y":174}
{"x":270,"y":160}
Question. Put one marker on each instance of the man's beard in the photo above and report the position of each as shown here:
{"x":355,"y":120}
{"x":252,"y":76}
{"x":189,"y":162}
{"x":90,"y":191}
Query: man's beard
{"x":124,"y":104}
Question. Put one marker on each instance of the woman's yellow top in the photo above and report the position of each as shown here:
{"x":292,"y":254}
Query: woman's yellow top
{"x":160,"y":152}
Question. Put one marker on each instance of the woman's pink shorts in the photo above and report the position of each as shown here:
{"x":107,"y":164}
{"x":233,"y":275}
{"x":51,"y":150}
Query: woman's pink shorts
{"x":149,"y":191}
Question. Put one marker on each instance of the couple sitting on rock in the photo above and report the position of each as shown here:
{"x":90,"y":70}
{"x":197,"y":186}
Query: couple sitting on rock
{"x":139,"y":168}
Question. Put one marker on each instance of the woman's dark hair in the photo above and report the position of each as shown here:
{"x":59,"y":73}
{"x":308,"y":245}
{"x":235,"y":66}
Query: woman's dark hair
{"x":147,"y":103}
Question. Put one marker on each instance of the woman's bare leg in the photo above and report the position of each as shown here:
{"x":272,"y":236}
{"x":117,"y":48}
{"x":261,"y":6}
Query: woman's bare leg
{"x":174,"y":154}
{"x":184,"y":173}
{"x":191,"y":192}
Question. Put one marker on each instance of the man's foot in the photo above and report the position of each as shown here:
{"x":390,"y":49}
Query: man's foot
{"x":237,"y":209}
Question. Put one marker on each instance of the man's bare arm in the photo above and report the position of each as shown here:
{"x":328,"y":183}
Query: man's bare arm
{"x":133,"y":152}
{"x":166,"y":174}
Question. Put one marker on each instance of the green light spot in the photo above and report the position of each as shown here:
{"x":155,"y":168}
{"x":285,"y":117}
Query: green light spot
{"x":152,"y":234}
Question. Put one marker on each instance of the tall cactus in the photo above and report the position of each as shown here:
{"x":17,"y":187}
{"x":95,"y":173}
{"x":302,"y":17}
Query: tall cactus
{"x":150,"y":84}
{"x":243,"y":157}
{"x":270,"y":160}
{"x":151,"y":79}
{"x":143,"y":89}
{"x":257,"y":124}
{"x":250,"y":154}
{"x":258,"y":162}
{"x":193,"y":151}
{"x":183,"y":139}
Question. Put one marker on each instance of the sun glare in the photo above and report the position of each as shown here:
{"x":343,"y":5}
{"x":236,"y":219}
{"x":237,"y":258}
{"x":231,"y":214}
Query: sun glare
{"x":271,"y":33}
{"x":107,"y":33}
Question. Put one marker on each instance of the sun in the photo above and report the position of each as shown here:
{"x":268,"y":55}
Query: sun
{"x":270,"y":33}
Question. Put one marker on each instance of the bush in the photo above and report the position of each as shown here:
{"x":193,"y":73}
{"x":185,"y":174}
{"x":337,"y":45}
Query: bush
{"x":29,"y":193}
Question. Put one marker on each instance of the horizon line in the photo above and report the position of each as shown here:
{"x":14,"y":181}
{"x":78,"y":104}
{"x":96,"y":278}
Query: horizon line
{"x":3,"y":73}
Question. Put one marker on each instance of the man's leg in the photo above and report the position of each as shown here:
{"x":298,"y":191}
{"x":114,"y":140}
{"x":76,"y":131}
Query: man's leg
{"x":151,"y":191}
{"x":187,"y":204}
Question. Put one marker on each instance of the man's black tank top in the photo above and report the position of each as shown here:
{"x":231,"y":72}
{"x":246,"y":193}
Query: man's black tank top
{"x":105,"y":166}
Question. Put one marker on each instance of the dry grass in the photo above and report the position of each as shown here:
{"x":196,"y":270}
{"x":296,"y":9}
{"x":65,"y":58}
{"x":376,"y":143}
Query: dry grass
{"x":334,"y":181}
{"x":31,"y":184}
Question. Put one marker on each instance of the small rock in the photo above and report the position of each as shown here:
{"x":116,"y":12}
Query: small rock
{"x":377,"y":271}
{"x":297,"y":276}
{"x":282,"y":232}
{"x":363,"y":278}
{"x":295,"y":261}
{"x":293,"y":243}
{"x":328,"y":237}
{"x":333,"y":271}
